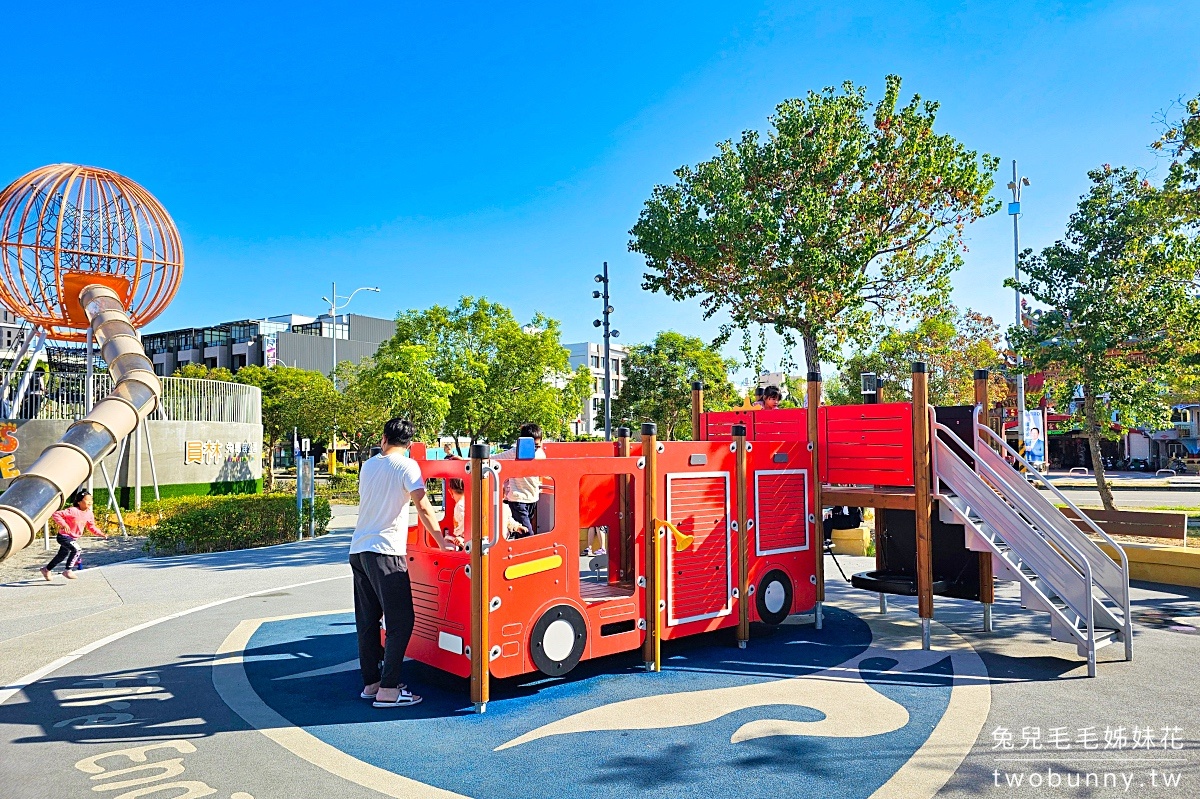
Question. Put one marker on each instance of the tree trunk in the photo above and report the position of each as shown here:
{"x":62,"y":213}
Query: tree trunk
{"x":812,"y":358}
{"x":269,"y":468}
{"x":1092,"y":427}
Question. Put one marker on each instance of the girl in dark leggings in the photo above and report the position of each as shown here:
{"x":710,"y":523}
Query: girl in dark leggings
{"x":72,"y":522}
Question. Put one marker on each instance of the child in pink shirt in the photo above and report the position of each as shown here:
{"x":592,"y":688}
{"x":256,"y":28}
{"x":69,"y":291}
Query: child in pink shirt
{"x":72,"y":522}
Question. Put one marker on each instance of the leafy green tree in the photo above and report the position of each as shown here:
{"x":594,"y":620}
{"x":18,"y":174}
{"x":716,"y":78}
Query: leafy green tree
{"x":1120,"y":294}
{"x":953,"y":345}
{"x":658,"y":383}
{"x":202,"y":372}
{"x":503,"y":373}
{"x":398,"y":381}
{"x":291,"y":399}
{"x":1181,"y":141}
{"x":845,"y":212}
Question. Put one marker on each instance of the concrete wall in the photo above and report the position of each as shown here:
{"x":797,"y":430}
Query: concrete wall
{"x":236,"y":465}
{"x":316,"y":352}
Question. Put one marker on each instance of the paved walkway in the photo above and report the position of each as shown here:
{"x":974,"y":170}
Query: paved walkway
{"x":232,"y":675}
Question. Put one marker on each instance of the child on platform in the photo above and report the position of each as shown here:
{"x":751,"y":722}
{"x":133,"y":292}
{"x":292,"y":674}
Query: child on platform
{"x":457,"y":539}
{"x":72,"y":522}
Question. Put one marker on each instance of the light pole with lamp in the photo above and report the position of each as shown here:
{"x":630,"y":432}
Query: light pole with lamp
{"x":334,"y":307}
{"x":1014,"y":210}
{"x":609,"y":334}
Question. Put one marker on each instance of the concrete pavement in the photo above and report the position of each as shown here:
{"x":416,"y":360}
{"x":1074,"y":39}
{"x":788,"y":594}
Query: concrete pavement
{"x":244,"y":681}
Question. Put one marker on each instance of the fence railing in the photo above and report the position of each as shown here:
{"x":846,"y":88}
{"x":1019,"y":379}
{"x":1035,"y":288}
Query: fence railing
{"x":62,"y":395}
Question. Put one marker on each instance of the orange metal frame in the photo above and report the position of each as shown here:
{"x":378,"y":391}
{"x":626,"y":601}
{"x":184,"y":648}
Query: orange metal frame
{"x":62,"y":221}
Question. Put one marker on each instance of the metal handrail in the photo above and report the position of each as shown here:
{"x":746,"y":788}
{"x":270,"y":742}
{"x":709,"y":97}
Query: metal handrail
{"x":1127,"y":622}
{"x":1054,"y":489}
{"x":1087,"y":566}
{"x":1089,"y":610}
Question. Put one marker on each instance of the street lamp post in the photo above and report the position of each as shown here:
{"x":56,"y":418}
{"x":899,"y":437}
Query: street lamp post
{"x":609,"y":334}
{"x":1014,"y":210}
{"x":334,"y":307}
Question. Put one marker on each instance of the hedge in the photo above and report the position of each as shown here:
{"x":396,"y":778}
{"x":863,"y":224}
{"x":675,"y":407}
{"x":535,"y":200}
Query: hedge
{"x":221,"y":523}
{"x":173,"y":490}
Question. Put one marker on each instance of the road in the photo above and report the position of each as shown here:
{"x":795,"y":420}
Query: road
{"x":1129,"y":500}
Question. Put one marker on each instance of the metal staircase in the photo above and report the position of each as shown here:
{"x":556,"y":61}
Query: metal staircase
{"x":1061,"y":569}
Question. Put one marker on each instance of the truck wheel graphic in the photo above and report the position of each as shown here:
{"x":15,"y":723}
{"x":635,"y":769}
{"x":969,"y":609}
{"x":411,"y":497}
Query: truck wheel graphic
{"x":774,"y":597}
{"x":558,"y":640}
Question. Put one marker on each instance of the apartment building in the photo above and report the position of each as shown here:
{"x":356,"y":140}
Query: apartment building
{"x":591,"y":355}
{"x":306,"y":342}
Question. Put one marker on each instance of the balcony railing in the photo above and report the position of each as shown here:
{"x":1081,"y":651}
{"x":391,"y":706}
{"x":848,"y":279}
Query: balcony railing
{"x":60,"y":395}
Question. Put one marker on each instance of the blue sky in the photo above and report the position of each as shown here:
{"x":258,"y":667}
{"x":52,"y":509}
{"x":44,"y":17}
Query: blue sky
{"x":505,"y":149}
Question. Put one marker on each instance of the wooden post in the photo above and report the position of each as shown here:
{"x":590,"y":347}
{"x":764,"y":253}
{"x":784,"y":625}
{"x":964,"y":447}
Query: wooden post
{"x":624,"y":547}
{"x":479,"y":581}
{"x":743,"y":537}
{"x":924,"y":503}
{"x":880,"y":530}
{"x":813,"y":391}
{"x":651,"y":648}
{"x":697,"y":409}
{"x":879,"y":383}
{"x":987,"y":582}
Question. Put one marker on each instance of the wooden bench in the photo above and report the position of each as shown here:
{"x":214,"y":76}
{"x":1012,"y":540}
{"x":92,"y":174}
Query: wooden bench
{"x":1150,"y":524}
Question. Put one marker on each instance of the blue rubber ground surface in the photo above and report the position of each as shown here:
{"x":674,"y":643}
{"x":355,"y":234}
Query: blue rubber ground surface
{"x":442,"y":743}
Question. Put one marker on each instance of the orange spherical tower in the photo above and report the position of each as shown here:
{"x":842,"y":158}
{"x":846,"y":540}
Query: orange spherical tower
{"x":65,"y":226}
{"x":85,"y":255}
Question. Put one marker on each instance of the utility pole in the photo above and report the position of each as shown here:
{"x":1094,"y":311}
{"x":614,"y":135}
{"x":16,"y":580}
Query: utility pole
{"x":334,"y":307}
{"x":609,"y":333}
{"x":1014,"y":210}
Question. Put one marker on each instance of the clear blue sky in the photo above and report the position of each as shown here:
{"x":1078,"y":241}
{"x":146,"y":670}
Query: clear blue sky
{"x":505,"y":149}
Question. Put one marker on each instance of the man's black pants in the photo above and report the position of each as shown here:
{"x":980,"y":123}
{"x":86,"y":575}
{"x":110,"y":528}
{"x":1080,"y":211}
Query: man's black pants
{"x":382,"y":591}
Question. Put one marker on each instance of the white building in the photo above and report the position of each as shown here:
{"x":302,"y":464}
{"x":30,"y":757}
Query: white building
{"x":12,"y":333}
{"x":591,"y":355}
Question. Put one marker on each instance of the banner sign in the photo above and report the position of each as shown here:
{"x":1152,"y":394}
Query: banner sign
{"x":1033,"y":433}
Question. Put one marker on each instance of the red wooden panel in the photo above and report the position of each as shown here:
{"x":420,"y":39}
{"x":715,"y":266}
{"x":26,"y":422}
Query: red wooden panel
{"x":717,"y":424}
{"x":867,"y":444}
{"x":781,"y":502}
{"x":599,"y":501}
{"x":787,"y":424}
{"x":699,"y":580}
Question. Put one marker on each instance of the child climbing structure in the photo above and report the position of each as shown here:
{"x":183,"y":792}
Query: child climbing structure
{"x":724,"y":531}
{"x":85,"y":255}
{"x":703,"y":535}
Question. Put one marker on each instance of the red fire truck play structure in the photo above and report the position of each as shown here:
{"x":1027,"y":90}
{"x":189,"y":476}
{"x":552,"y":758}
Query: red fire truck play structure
{"x":715,"y":533}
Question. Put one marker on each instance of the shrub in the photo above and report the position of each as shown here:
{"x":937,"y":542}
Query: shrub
{"x":221,"y":523}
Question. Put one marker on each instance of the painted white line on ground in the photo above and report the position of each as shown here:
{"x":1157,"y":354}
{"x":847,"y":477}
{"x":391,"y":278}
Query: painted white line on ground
{"x":230,"y":680}
{"x":7,"y":692}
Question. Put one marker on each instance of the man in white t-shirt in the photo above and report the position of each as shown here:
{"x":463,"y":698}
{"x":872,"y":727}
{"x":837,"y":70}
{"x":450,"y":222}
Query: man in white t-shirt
{"x":378,"y":550}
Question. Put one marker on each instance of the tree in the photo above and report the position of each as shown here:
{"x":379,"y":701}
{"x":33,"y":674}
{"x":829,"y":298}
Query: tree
{"x":291,"y":399}
{"x":201,"y":372}
{"x":845,"y":213}
{"x":398,"y":381}
{"x":1181,"y":141}
{"x":503,"y":373}
{"x":658,"y":383}
{"x":1121,"y":305}
{"x":953,"y":345}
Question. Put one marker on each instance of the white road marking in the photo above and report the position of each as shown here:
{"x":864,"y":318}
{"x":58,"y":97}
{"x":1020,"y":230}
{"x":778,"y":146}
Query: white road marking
{"x":231,"y":682}
{"x":7,"y":692}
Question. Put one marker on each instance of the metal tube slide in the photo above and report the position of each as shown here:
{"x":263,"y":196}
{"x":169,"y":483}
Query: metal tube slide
{"x":40,"y":491}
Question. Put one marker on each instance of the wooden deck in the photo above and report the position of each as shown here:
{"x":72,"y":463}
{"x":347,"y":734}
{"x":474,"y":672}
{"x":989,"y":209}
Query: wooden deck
{"x":879,"y":497}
